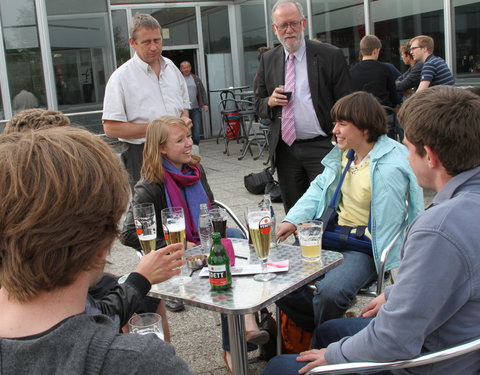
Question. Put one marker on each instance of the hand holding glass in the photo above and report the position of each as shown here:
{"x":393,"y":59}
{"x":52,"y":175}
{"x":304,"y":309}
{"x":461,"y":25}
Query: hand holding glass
{"x":260,"y":225}
{"x":145,"y":225}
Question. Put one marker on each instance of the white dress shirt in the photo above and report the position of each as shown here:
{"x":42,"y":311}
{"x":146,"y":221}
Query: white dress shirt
{"x":306,"y":120}
{"x":135,"y":94}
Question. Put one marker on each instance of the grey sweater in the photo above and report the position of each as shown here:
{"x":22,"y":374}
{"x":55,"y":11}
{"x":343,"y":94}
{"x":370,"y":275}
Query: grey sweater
{"x":435,"y":301}
{"x":85,"y":344}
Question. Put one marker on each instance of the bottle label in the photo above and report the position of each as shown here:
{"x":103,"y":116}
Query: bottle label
{"x":218,"y":274}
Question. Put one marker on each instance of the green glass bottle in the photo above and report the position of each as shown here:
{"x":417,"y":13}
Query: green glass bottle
{"x":219,"y":265}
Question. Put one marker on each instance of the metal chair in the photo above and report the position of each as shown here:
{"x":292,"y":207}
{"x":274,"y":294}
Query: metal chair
{"x":378,"y":288}
{"x":232,"y":123}
{"x":426,"y":359}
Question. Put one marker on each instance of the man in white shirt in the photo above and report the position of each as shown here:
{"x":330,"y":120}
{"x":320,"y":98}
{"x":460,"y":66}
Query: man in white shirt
{"x":144,"y":88}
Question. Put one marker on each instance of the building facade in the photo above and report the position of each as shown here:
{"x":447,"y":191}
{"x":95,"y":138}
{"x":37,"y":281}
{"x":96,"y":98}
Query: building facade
{"x":60,"y":53}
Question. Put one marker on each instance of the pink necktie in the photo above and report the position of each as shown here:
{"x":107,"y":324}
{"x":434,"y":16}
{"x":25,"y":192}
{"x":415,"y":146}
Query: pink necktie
{"x":288,"y":116}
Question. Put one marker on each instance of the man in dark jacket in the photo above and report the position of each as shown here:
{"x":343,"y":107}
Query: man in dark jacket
{"x":301,"y":129}
{"x":373,"y":76}
{"x":409,"y":80}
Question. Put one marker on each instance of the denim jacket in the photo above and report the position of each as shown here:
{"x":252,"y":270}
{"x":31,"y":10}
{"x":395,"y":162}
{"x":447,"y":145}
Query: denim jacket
{"x":393,"y":185}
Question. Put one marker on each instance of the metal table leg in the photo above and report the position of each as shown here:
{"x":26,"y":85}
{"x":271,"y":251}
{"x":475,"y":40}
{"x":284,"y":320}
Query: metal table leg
{"x":238,"y":344}
{"x":279,"y":329}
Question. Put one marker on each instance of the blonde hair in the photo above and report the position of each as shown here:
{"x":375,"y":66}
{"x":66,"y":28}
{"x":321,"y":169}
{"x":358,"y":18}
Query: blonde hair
{"x":157,"y":135}
{"x":424,"y":41}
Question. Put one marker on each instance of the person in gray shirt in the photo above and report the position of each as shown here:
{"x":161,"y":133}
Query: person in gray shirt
{"x":58,"y":219}
{"x":435,"y":301}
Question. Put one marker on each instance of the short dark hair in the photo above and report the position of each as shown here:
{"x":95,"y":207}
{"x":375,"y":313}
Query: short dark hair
{"x":405,"y":49}
{"x":368,"y":44}
{"x":63,"y":193}
{"x":364,"y":111}
{"x":261,"y":50}
{"x":446,"y":119}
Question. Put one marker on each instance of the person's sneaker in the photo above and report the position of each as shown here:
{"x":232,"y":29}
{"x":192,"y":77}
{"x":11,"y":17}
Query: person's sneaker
{"x":174,"y":306}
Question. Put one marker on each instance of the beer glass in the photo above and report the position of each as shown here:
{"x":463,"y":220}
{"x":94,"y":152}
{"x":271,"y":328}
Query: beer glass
{"x":173,"y":224}
{"x":219,"y":221}
{"x":260,"y":225}
{"x":143,"y":324}
{"x":145,"y":225}
{"x":310,"y":236}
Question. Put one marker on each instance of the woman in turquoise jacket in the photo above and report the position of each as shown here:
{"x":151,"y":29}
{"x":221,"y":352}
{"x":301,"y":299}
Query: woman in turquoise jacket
{"x":377,"y":187}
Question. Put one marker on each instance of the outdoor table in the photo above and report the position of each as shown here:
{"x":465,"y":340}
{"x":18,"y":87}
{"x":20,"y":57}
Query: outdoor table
{"x":247,"y":295}
{"x":231,"y":88}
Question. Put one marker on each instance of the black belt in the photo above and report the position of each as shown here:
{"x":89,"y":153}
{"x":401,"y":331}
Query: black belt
{"x":318,"y":138}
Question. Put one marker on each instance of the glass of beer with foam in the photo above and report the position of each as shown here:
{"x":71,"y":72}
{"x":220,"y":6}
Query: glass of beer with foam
{"x":145,"y":225}
{"x":310,"y":236}
{"x":260,"y":226}
{"x":173,"y":225}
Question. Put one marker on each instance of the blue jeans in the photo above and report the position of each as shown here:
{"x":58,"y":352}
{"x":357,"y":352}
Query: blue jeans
{"x":325,"y":334}
{"x":196,"y":118}
{"x":336,"y":290}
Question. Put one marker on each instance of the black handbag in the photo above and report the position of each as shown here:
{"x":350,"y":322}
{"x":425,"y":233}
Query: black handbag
{"x":342,"y":237}
{"x":273,"y":188}
{"x":255,"y":183}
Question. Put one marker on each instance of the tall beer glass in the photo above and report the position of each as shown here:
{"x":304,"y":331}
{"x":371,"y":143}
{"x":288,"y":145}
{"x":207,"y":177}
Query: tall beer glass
{"x":173,"y":225}
{"x":260,"y":225}
{"x":145,"y":225}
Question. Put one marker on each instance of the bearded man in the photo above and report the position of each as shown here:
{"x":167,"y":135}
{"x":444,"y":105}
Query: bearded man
{"x":317,"y":76}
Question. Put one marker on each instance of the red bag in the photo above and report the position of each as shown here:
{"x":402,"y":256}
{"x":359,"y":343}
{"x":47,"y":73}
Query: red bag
{"x":295,"y":339}
{"x":232,"y":123}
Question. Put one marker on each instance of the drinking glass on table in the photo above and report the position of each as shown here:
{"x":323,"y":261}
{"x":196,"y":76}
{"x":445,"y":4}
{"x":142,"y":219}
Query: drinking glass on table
{"x":310,"y":236}
{"x":146,"y":226}
{"x":260,"y":225}
{"x":173,"y":224}
{"x":143,"y":324}
{"x":219,"y":221}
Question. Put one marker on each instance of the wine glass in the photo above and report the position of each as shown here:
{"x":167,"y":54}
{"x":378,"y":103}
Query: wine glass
{"x":145,"y":225}
{"x":173,"y":224}
{"x":260,"y":225}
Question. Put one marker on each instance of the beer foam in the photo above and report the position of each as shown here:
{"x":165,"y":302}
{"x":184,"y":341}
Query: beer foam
{"x":147,"y":237}
{"x":176,"y":227}
{"x":255,"y":218}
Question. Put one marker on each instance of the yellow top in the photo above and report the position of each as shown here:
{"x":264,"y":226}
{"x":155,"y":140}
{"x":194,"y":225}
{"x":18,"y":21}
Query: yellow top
{"x":354,"y":206}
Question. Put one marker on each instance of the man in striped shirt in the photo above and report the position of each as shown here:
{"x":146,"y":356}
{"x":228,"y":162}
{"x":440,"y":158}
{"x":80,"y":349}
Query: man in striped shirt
{"x":435,"y":71}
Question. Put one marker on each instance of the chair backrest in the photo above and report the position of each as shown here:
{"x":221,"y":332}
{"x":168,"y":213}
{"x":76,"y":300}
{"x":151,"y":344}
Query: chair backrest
{"x":426,"y":359}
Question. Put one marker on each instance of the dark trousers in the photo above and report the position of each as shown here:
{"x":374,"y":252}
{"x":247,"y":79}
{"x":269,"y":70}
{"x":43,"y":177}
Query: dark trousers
{"x":298,"y":165}
{"x":132,"y":159}
{"x":326,"y":333}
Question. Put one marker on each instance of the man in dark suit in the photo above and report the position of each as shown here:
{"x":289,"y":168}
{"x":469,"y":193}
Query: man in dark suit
{"x":317,"y":75}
